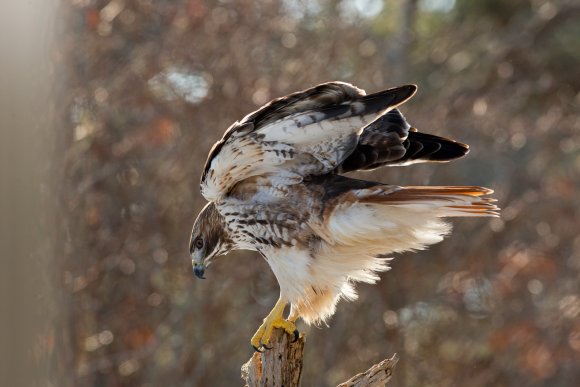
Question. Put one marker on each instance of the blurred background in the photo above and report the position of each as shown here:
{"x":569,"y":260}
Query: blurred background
{"x":133,"y":93}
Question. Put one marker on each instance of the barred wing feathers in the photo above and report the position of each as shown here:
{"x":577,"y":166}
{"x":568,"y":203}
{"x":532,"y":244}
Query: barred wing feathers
{"x":307,"y":133}
{"x":391,"y":141}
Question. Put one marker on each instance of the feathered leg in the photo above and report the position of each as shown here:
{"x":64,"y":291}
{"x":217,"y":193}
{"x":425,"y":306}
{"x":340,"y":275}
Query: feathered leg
{"x":294,"y":314}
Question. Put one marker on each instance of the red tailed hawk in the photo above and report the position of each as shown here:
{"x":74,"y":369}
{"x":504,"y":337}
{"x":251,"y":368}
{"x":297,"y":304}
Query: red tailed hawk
{"x":274,"y":184}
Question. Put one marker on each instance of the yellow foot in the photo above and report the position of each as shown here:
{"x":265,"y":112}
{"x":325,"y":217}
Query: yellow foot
{"x":262,"y":336}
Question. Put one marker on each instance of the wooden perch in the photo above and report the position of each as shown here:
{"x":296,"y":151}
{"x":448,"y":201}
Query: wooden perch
{"x":376,"y":376}
{"x":281,"y":366}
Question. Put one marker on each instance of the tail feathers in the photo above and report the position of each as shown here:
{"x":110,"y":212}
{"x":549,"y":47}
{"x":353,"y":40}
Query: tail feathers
{"x":385,"y":218}
{"x":446,"y":201}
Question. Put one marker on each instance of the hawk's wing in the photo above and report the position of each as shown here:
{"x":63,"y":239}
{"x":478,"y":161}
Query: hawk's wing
{"x":303,"y":134}
{"x":390,"y":140}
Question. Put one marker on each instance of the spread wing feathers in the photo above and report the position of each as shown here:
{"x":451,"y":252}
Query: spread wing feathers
{"x":304,"y":134}
{"x":390,"y":140}
{"x":389,"y":219}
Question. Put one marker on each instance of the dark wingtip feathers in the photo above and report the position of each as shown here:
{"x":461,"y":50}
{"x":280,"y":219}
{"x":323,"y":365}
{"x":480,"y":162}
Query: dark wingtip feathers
{"x":435,"y":148}
{"x":390,"y":140}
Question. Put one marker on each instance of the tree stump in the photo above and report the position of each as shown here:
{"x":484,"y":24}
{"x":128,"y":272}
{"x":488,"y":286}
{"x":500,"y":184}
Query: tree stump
{"x":282,"y":365}
{"x":276,"y":367}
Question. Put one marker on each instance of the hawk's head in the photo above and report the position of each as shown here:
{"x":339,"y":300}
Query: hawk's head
{"x":208,"y":239}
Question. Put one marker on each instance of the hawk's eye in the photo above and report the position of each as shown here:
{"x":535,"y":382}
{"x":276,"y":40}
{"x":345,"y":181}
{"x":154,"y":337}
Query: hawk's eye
{"x":199,"y":243}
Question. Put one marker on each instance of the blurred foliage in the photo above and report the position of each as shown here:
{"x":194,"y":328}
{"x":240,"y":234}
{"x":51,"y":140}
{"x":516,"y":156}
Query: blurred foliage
{"x":145,"y":87}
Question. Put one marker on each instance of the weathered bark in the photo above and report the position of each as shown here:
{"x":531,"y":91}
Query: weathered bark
{"x":376,"y":376}
{"x":281,"y":366}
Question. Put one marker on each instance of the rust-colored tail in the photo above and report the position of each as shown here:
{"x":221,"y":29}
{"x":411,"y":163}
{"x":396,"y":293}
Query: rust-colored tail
{"x":447,"y":200}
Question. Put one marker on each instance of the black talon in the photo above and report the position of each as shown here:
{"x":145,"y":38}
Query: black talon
{"x":266,"y":347}
{"x":257,"y":349}
{"x":296,"y":336}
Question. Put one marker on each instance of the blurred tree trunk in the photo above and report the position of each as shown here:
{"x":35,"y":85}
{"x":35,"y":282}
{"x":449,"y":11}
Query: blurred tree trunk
{"x":399,"y":54}
{"x":26,"y":297}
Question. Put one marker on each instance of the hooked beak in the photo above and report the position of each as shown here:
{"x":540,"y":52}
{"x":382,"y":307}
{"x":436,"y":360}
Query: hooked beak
{"x":199,"y":270}
{"x":198,"y":263}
